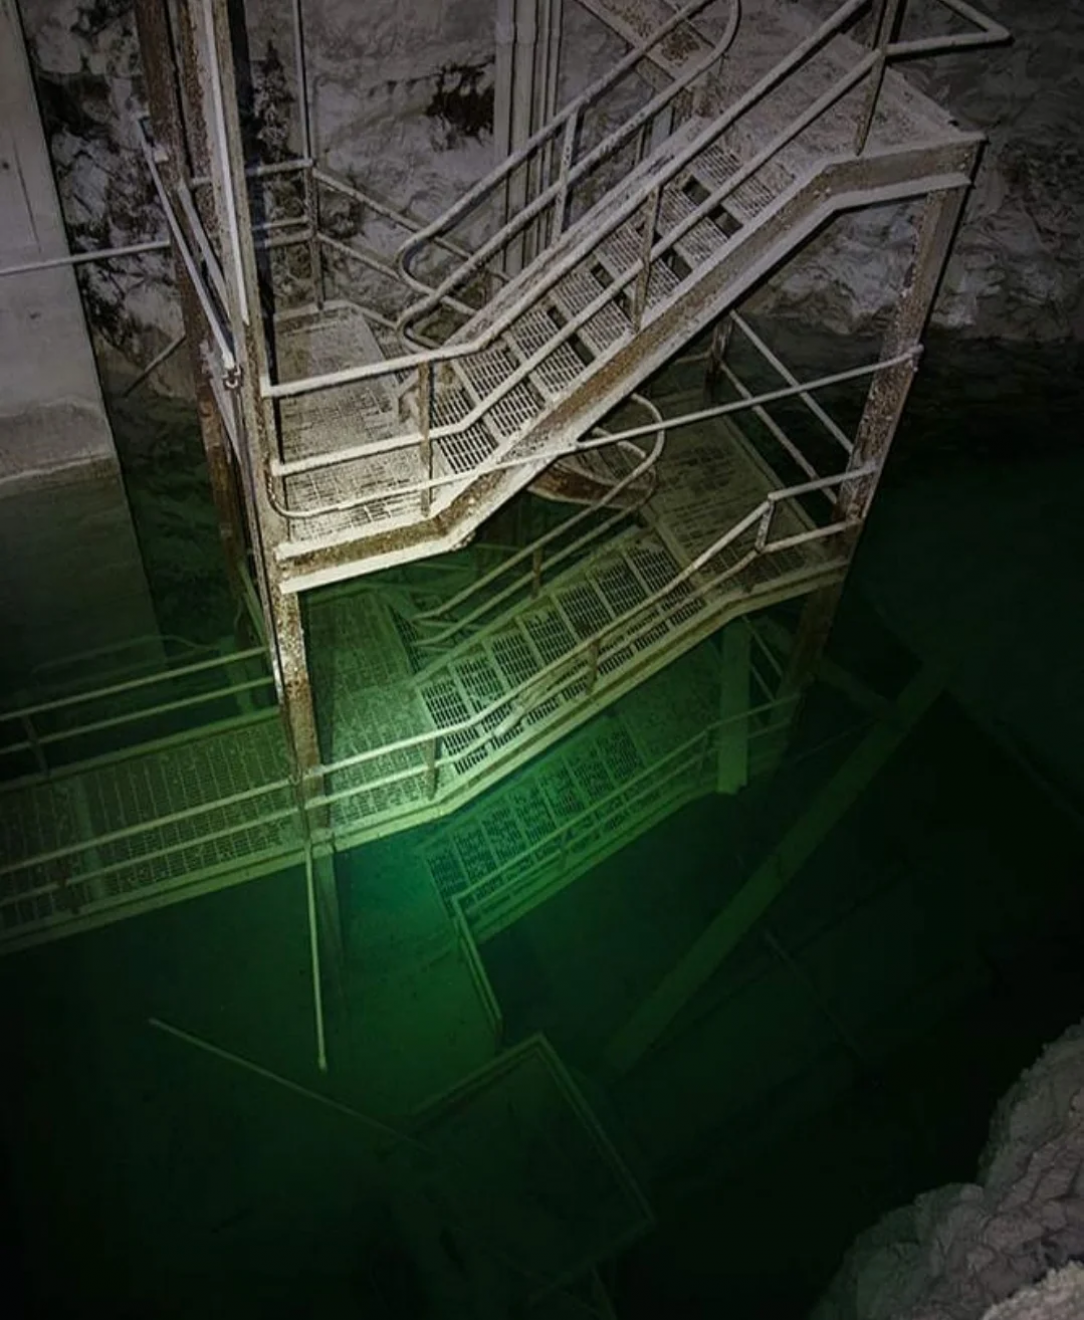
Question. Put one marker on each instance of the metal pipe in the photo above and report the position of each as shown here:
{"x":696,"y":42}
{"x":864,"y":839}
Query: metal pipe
{"x":222,"y":139}
{"x":239,"y":1061}
{"x":80,"y":258}
{"x":623,"y":66}
{"x":403,"y":219}
{"x":154,"y":364}
{"x":164,"y":708}
{"x":814,"y":407}
{"x":505,"y":35}
{"x":314,"y":961}
{"x":769,"y":421}
{"x":259,"y":171}
{"x":78,"y":699}
{"x":203,"y":243}
{"x":229,"y":362}
{"x":629,"y":433}
{"x":534,"y":209}
{"x":523,"y":77}
{"x":302,"y":82}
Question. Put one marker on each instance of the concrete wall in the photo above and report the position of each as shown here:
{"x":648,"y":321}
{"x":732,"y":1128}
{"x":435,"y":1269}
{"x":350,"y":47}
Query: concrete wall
{"x":71,"y":575}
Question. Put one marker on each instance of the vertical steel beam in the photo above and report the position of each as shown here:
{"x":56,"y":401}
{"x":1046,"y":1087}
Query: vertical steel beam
{"x":160,"y":75}
{"x":890,"y":388}
{"x":214,"y":87}
{"x":880,"y":420}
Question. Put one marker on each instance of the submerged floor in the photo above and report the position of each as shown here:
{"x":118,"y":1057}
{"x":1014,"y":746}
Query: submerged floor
{"x":918,"y":963}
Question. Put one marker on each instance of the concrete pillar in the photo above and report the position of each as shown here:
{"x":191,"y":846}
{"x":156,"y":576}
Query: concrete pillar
{"x":71,"y":574}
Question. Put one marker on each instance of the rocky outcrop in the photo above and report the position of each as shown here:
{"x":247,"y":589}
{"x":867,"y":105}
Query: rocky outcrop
{"x":402,"y":102}
{"x":959,"y":1251}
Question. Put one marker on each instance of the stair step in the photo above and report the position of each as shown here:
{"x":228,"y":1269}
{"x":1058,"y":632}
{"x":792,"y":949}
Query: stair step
{"x":561,"y":368}
{"x":622,"y":252}
{"x":717,"y":164}
{"x":702,"y":241}
{"x":607,"y":327}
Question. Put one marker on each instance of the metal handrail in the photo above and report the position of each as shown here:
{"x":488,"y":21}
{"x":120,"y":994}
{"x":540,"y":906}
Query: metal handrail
{"x":575,"y":258}
{"x":570,"y":114}
{"x":647,"y":774}
{"x":492,"y":465}
{"x":565,"y":123}
{"x":560,"y":666}
{"x":534,"y":576}
{"x":536,"y":688}
{"x":991,"y":33}
{"x":35,"y":740}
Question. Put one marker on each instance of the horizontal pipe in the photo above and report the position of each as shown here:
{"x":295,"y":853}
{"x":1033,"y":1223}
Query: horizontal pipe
{"x":147,"y":679}
{"x":573,"y":447}
{"x":260,"y":171}
{"x":80,"y":258}
{"x":165,"y":708}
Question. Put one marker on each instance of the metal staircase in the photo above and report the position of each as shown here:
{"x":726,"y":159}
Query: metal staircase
{"x":357,"y":439}
{"x":524,"y":366}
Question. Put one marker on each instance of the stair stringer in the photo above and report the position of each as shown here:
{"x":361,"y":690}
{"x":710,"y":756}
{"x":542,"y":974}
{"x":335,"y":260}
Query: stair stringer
{"x":780,"y":232}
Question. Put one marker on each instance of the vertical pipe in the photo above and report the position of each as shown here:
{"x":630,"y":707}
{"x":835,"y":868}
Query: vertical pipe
{"x":886,"y":25}
{"x":502,"y":89}
{"x":314,"y":958}
{"x":523,"y":75}
{"x":302,"y":82}
{"x":312,"y":198}
{"x":425,"y":410}
{"x":502,"y":96}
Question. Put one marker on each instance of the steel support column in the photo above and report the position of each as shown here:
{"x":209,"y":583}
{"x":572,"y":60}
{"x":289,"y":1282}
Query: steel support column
{"x":653,"y":1017}
{"x":163,"y":102}
{"x":881,"y":415}
{"x":209,"y":30}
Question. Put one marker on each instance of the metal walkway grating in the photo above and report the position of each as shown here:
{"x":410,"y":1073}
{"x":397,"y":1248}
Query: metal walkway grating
{"x":405,"y":745}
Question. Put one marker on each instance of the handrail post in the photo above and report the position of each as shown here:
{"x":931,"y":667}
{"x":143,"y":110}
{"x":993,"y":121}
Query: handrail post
{"x":592,"y":665}
{"x":316,"y":259}
{"x":432,"y":755}
{"x":885,"y":26}
{"x":647,"y":242}
{"x":425,"y":407}
{"x":536,"y":572}
{"x":764,"y":527}
{"x":35,"y":745}
{"x":568,"y":150}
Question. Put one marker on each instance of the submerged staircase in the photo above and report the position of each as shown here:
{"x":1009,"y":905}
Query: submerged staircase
{"x":422,"y":711}
{"x":525,"y":335}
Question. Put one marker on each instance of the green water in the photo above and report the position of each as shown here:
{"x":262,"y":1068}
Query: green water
{"x":931,"y":946}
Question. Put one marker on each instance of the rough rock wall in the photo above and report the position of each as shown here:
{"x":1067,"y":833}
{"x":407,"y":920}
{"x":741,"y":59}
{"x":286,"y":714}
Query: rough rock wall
{"x":960,"y":1252}
{"x":1015,"y":272}
{"x":403,"y":102}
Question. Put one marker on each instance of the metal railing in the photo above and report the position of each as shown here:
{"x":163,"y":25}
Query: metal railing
{"x":685,"y":598}
{"x":53,"y":733}
{"x":549,"y":207}
{"x":659,"y":789}
{"x":423,"y":439}
{"x":451,"y":624}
